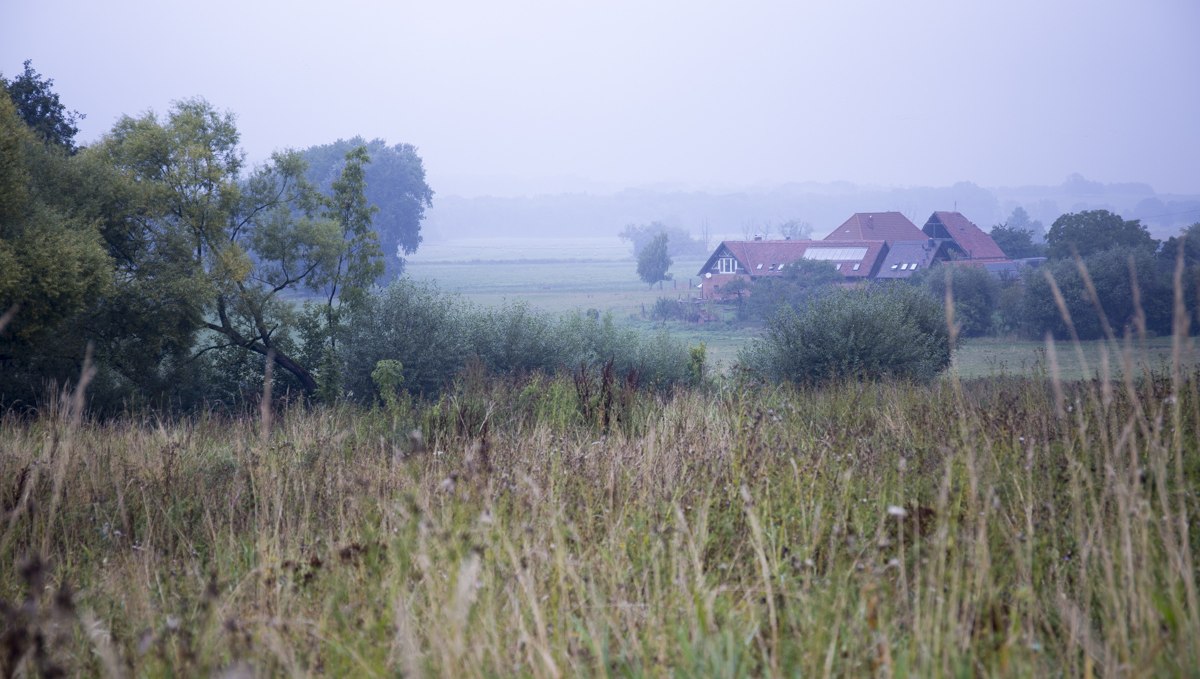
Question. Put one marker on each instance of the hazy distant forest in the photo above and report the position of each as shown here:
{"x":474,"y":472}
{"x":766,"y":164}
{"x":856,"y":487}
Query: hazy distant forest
{"x":238,"y":440}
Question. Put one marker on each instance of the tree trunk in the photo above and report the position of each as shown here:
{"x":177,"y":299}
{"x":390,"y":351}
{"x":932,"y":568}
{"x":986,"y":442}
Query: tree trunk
{"x":260,"y":347}
{"x":300,"y":372}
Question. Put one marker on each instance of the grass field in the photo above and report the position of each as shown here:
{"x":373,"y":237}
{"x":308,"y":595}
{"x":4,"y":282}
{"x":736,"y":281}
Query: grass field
{"x":1001,"y":527}
{"x":1018,"y":523}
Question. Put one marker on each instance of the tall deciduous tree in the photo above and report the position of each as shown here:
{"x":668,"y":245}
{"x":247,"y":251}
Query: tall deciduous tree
{"x":654,"y":260}
{"x":395,"y":184}
{"x":1093,"y":231}
{"x":53,"y":263}
{"x":1188,"y":240}
{"x":1016,"y":242}
{"x":39,"y":106}
{"x":223,"y":250}
{"x":680,"y":242}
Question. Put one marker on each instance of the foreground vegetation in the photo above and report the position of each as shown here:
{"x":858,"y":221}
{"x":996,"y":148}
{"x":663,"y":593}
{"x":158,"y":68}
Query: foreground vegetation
{"x":471,"y":490}
{"x":546,"y":526}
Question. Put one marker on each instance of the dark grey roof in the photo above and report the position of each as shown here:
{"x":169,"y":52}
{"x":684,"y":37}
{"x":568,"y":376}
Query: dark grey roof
{"x":906,"y":257}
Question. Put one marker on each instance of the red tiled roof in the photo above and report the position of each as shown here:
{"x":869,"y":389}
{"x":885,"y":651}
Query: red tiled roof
{"x":972,"y":239}
{"x":885,"y":226}
{"x":764,"y":257}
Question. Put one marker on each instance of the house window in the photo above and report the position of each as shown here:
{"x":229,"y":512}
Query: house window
{"x":727,"y":265}
{"x":856,"y":265}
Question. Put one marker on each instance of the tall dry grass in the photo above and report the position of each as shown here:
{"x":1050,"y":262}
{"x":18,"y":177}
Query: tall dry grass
{"x":1012,"y":526}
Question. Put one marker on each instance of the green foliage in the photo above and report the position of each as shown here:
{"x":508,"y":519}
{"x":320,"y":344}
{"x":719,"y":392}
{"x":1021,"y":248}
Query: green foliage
{"x":436,"y":337}
{"x":388,"y":375}
{"x":53,"y":265}
{"x":395,"y":185}
{"x":698,"y":365}
{"x":408,"y":322}
{"x":39,"y":106}
{"x":667,"y":309}
{"x":896,"y":331}
{"x":654,"y":260}
{"x":801,"y":282}
{"x":226,"y":248}
{"x":1016,"y":242}
{"x":976,"y":296}
{"x":1093,"y":231}
{"x":1110,"y":272}
{"x":679,"y":242}
{"x":514,"y":339}
{"x":659,"y":361}
{"x":1188,"y":240}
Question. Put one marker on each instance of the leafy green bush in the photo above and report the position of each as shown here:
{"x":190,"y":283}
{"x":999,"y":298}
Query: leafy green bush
{"x":514,"y":339}
{"x":976,"y":296}
{"x":1110,"y":274}
{"x":434,"y":336}
{"x":861,"y":333}
{"x":416,"y":324}
{"x":659,"y":360}
{"x":801,"y":282}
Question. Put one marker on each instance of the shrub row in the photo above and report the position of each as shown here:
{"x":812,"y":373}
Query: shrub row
{"x":435,"y":336}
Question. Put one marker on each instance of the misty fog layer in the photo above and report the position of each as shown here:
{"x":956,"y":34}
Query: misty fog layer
{"x":535,"y":97}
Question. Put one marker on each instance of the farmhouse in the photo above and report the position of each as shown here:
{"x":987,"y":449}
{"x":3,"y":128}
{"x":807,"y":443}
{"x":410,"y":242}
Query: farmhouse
{"x":868,"y":245}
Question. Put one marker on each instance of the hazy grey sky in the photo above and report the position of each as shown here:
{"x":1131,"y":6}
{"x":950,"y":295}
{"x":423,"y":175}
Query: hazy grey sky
{"x":531,"y":96}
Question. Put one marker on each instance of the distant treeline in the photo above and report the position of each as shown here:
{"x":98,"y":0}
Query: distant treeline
{"x":824,"y":206}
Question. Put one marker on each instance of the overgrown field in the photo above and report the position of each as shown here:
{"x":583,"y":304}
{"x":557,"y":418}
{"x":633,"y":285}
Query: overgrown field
{"x":548,"y":527}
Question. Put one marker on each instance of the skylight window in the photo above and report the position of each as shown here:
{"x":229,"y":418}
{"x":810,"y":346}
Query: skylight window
{"x":835,"y":254}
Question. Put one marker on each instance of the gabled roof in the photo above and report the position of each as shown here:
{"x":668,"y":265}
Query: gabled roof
{"x":771,"y":257}
{"x":906,"y":257}
{"x":885,"y":226}
{"x":972,"y":239}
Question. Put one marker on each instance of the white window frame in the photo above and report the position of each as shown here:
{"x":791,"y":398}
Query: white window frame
{"x":726,"y":265}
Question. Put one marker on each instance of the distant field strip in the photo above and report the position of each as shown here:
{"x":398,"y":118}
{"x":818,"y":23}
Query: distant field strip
{"x":515,"y":249}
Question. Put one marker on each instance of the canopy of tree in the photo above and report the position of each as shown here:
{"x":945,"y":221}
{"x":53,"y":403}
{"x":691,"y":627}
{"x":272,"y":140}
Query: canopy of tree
{"x":395,"y":183}
{"x":38,"y":105}
{"x":654,"y":260}
{"x":1020,"y":237}
{"x":174,"y":261}
{"x":1093,"y":231}
{"x":53,"y":261}
{"x":801,"y":282}
{"x":680,"y":242}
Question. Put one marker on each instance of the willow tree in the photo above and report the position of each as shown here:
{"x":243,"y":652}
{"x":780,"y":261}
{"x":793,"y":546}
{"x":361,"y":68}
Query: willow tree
{"x":225,"y":249}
